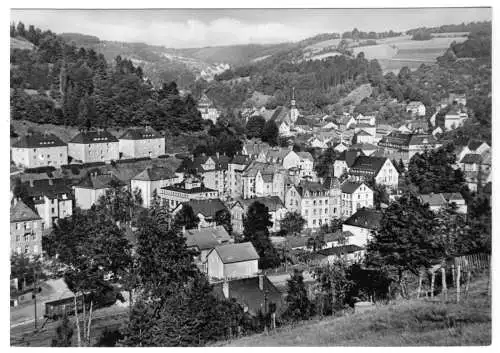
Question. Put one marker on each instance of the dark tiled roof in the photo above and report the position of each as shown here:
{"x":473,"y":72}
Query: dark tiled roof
{"x":52,"y":188}
{"x":247,"y":293}
{"x":207,"y":238}
{"x":180,"y":187}
{"x":350,"y":156}
{"x":99,"y":182}
{"x":208,"y":208}
{"x":422,"y":139}
{"x":273,"y":203}
{"x":348,"y":187}
{"x":140,"y":134}
{"x":433,"y":199}
{"x":367,"y":164}
{"x":338,"y":250}
{"x":474,"y":144}
{"x":155,"y":173}
{"x":310,"y":186}
{"x":305,"y":155}
{"x":365,"y":218}
{"x":240,"y":159}
{"x":396,"y":138}
{"x":39,"y":141}
{"x":472,"y":158}
{"x":94,"y":137}
{"x":453,"y":196}
{"x":230,"y":253}
{"x":20,"y":212}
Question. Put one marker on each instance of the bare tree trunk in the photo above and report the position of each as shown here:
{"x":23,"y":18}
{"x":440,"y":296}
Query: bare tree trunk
{"x":130,"y":300}
{"x":84,"y":317}
{"x":453,"y":273}
{"x":90,"y":322}
{"x":443,"y":284}
{"x":432,"y":283}
{"x":458,"y":283}
{"x":77,"y":325}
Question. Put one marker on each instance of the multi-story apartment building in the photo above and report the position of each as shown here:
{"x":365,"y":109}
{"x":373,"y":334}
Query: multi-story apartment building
{"x":53,"y":199}
{"x":263,"y":179}
{"x":39,"y":150}
{"x":355,"y":195}
{"x":189,"y":189}
{"x":25,"y":230}
{"x":235,"y":170}
{"x":311,"y":200}
{"x":138,"y":143}
{"x":94,"y":146}
{"x":151,"y":180}
{"x":332,"y":184}
{"x":276,"y":207}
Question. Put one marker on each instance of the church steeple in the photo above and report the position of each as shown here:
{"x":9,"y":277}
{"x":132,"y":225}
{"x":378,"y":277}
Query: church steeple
{"x":294,"y":112}
{"x":292,"y":102}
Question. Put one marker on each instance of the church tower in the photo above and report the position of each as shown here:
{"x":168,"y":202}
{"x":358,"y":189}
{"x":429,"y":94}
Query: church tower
{"x":294,"y":112}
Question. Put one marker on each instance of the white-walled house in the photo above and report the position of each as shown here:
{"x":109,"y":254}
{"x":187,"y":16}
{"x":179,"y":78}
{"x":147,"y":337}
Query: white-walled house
{"x":152,"y":179}
{"x":138,"y":143}
{"x":361,"y":224}
{"x":88,"y":191}
{"x":380,"y":168}
{"x":94,"y":146}
{"x":355,"y":195}
{"x":416,"y":108}
{"x":39,"y":150}
{"x":276,"y":207}
{"x":232,"y":261}
{"x":311,"y":200}
{"x":25,"y":230}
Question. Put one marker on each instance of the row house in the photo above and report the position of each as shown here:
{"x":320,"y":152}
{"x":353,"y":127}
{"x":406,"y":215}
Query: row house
{"x":139,"y":143}
{"x":90,"y":189}
{"x":334,"y":196}
{"x":39,"y":150}
{"x":276,"y":207}
{"x":380,"y":169}
{"x":311,"y":200}
{"x":189,"y":189}
{"x":53,"y":199}
{"x":151,"y":180}
{"x":355,"y":195}
{"x":25,"y":230}
{"x":206,"y":210}
{"x":94,"y":146}
{"x":263,"y":179}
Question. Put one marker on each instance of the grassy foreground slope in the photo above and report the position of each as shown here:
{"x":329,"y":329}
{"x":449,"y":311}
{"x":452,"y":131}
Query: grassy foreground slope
{"x":406,"y":323}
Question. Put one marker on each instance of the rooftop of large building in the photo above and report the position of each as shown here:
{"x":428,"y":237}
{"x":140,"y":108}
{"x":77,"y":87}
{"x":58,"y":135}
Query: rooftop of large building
{"x":365,"y":218}
{"x":38,"y":140}
{"x":140,"y":134}
{"x":94,"y":136}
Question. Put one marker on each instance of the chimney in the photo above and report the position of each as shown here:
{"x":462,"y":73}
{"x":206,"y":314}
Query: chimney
{"x":261,"y":282}
{"x":225,"y":288}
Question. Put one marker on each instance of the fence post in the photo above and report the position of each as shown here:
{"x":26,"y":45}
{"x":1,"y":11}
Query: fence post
{"x":443,"y":284}
{"x":433,"y":277}
{"x":458,"y":283}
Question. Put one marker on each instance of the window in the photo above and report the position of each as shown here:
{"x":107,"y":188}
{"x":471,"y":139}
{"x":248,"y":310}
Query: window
{"x":35,"y":249}
{"x":27,"y":226}
{"x":326,"y":210}
{"x":34,"y":150}
{"x":320,"y":202}
{"x":314,"y":203}
{"x":18,"y":226}
{"x":33,"y":236}
{"x":314,"y":212}
{"x":314,"y":222}
{"x":296,"y":203}
{"x":26,"y":249}
{"x":18,"y":237}
{"x":307,"y":213}
{"x":26,"y":237}
{"x":53,"y":210}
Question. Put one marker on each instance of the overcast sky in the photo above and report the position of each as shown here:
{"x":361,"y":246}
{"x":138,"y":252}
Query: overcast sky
{"x":184,"y":28}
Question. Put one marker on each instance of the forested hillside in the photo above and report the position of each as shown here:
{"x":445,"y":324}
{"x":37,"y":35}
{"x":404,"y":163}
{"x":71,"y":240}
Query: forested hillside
{"x":58,"y":83}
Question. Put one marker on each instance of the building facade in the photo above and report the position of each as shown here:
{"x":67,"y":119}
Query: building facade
{"x":139,"y":143}
{"x":25,"y":230}
{"x":39,"y":150}
{"x":94,"y":146}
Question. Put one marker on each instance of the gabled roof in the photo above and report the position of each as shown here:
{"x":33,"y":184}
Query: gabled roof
{"x":433,"y":199}
{"x":208,"y":208}
{"x":331,"y":183}
{"x":247,"y":292}
{"x":154,"y":173}
{"x":38,"y":140}
{"x":281,"y":115}
{"x":368,"y":164}
{"x":453,"y":196}
{"x":472,"y":158}
{"x":140,"y":134}
{"x":305,"y":155}
{"x":231,"y":253}
{"x":92,"y":136}
{"x":181,"y":187}
{"x":278,"y":153}
{"x":422,"y":139}
{"x":342,"y":249}
{"x":365,"y":218}
{"x":20,"y":212}
{"x":474,"y":144}
{"x":206,"y":238}
{"x":52,"y":188}
{"x":273,"y":203}
{"x":240,"y":159}
{"x":350,"y":156}
{"x":103,"y":181}
{"x":348,"y":187}
{"x":396,"y":138}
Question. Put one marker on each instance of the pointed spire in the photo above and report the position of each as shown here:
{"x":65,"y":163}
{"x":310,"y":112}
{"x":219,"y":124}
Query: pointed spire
{"x":292,"y":103}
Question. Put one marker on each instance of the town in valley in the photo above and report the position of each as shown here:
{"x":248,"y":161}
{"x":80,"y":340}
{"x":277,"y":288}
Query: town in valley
{"x":328,"y":191}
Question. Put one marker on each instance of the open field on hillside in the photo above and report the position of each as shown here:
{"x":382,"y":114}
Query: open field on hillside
{"x":405,"y":323}
{"x":16,"y":43}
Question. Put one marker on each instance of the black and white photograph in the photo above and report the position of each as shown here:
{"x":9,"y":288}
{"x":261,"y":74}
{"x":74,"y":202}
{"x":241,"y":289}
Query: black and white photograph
{"x":272,"y":177}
